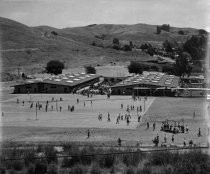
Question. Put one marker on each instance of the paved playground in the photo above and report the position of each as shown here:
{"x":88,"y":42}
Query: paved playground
{"x":20,"y":122}
{"x":85,"y":114}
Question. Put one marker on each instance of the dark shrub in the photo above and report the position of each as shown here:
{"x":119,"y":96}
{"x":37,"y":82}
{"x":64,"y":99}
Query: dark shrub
{"x":130,"y":170}
{"x":52,"y":169}
{"x":95,"y":169}
{"x":107,"y":161}
{"x":31,"y":169}
{"x":135,"y":67}
{"x":2,"y":171}
{"x":78,"y":169}
{"x":90,"y":70}
{"x":51,"y":154}
{"x":40,"y":168}
{"x":17,"y":165}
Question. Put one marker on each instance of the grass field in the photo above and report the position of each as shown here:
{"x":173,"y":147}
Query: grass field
{"x":19,"y":122}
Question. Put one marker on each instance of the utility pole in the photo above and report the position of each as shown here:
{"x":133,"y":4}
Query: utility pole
{"x":36,"y":110}
{"x":18,"y":70}
{"x":144,"y":104}
{"x":56,"y":106}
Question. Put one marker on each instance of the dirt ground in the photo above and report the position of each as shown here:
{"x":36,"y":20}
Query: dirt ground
{"x":19,"y":123}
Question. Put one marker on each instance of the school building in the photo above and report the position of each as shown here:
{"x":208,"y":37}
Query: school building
{"x":64,"y":83}
{"x":149,"y":84}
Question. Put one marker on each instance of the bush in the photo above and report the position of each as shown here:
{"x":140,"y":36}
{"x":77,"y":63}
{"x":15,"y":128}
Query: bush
{"x":181,"y":32}
{"x":135,"y":67}
{"x":52,"y":169}
{"x":54,"y":33}
{"x":95,"y":169}
{"x":130,"y":170}
{"x":17,"y":165}
{"x":2,"y":171}
{"x":31,"y":169}
{"x":51,"y":154}
{"x":78,"y":169}
{"x":90,"y":70}
{"x":40,"y":168}
{"x":107,"y":161}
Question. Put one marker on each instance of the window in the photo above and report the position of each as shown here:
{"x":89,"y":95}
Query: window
{"x":53,"y":86}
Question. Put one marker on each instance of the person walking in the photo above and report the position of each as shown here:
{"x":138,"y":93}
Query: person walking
{"x":88,"y":133}
{"x":147,"y":125}
{"x":119,"y":141}
{"x":187,"y":129}
{"x":153,"y":126}
{"x":172,"y":139}
{"x":184,"y":143}
{"x":165,"y":139}
{"x":199,"y":132}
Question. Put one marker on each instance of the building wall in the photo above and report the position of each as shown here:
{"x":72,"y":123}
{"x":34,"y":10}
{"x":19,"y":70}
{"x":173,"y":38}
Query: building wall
{"x":50,"y":88}
{"x":42,"y":88}
{"x":151,"y":91}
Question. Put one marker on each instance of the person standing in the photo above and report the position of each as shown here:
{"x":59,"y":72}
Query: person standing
{"x":199,"y":132}
{"x":165,"y":139}
{"x":187,"y":129}
{"x":153,"y":126}
{"x":172,"y":139}
{"x":119,"y":141}
{"x":147,"y":125}
{"x":184,"y":143}
{"x":88,"y":133}
{"x":194,"y":114}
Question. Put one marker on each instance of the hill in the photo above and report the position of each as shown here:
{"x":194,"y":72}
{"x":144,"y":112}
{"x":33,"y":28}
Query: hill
{"x":32,"y":47}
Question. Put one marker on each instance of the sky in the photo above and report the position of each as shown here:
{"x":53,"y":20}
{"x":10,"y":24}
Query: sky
{"x":71,"y":13}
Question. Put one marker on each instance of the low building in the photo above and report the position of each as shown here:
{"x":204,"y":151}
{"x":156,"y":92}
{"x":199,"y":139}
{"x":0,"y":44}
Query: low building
{"x":193,"y":81}
{"x":64,"y":83}
{"x":148,"y":83}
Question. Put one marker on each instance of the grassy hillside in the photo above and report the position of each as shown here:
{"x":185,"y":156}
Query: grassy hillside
{"x":32,"y":47}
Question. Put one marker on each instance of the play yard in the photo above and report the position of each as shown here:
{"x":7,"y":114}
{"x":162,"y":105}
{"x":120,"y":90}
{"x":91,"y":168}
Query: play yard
{"x":23,"y":122}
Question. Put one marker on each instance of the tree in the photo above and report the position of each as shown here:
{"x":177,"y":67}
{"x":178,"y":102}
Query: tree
{"x":116,"y":44}
{"x":116,"y":41}
{"x":168,"y":46}
{"x":182,"y":65}
{"x":54,"y":33}
{"x":181,"y":32}
{"x":202,"y":32}
{"x":158,"y":29}
{"x":135,"y":67}
{"x":151,"y":51}
{"x":144,"y":46}
{"x":165,"y":27}
{"x":90,"y":70}
{"x":131,"y":44}
{"x":127,"y":48}
{"x":54,"y":67}
{"x":196,"y":47}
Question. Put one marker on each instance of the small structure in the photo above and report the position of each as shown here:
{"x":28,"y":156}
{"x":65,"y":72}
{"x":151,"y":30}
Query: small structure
{"x":64,"y":83}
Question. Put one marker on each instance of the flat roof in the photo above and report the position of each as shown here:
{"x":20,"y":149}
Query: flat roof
{"x":63,"y":79}
{"x":151,"y":78}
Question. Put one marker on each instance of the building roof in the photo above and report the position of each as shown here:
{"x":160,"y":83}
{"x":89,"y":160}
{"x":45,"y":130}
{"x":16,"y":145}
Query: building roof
{"x":151,"y":78}
{"x":64,"y":79}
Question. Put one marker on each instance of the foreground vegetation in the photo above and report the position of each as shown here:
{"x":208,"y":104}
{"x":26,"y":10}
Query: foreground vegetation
{"x":43,"y":159}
